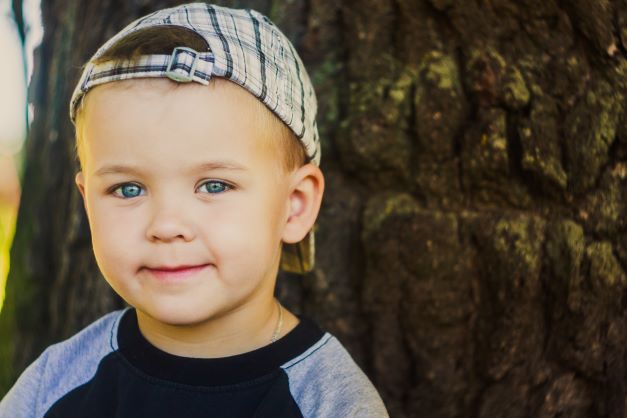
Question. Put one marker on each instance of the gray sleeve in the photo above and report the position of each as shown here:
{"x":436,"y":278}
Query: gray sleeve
{"x":326,"y":382}
{"x":21,"y":400}
{"x":61,"y":368}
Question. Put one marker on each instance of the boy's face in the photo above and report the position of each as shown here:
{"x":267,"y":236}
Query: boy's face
{"x":180,"y":177}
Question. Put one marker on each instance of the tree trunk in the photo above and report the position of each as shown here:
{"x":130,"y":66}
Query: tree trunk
{"x":472,"y":247}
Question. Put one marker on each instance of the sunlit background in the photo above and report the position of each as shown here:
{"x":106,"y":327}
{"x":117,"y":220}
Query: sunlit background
{"x":16,"y":69}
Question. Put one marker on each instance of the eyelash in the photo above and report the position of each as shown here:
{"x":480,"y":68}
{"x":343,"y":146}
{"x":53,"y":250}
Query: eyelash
{"x":113,"y":190}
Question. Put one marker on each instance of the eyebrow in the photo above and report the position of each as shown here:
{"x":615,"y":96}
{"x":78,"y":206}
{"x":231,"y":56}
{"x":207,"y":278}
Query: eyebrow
{"x":116,"y":169}
{"x":217,"y":165}
{"x":202,"y":167}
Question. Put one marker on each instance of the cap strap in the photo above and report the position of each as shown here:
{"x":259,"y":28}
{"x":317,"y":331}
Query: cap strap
{"x":179,"y":67}
{"x":183,"y":65}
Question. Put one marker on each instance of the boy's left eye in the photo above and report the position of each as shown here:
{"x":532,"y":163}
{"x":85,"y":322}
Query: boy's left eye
{"x":214,"y":187}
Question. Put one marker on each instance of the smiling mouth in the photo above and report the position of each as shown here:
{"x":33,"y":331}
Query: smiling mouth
{"x":175,"y":273}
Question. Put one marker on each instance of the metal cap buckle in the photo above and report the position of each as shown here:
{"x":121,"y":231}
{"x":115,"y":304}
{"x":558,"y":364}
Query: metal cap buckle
{"x":179,"y":74}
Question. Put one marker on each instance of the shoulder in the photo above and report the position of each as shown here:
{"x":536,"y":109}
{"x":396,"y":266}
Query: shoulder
{"x":61,"y":368}
{"x":91,"y":343}
{"x":325,"y":381}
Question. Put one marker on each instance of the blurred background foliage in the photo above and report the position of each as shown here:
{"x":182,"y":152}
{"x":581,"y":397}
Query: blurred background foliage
{"x":19,"y":35}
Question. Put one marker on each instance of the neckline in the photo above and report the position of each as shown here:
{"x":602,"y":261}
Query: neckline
{"x":212,"y":371}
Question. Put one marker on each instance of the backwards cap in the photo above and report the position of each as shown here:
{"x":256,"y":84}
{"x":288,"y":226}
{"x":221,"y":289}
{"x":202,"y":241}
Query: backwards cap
{"x":246,"y":48}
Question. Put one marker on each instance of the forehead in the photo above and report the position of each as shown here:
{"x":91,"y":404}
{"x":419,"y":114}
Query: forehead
{"x":160,"y":121}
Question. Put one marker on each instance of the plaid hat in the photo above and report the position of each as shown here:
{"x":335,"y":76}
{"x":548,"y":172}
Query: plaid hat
{"x":246,"y":48}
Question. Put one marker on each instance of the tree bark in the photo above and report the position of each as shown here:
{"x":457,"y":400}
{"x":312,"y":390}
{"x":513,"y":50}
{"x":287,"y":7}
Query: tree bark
{"x":472,"y":246}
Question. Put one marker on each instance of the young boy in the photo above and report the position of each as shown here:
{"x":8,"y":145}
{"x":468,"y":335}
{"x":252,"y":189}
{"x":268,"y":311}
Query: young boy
{"x":199,"y":159}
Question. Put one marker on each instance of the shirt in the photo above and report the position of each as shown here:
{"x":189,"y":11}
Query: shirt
{"x":110,"y":370}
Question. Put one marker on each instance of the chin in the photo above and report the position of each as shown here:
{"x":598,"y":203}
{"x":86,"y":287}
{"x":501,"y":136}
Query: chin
{"x":178,"y":316}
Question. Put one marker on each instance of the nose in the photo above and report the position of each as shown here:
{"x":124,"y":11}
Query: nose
{"x":169,"y":224}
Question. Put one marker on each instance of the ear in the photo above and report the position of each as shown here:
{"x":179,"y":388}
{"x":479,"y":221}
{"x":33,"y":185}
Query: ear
{"x":80,"y":183}
{"x":304,"y":200}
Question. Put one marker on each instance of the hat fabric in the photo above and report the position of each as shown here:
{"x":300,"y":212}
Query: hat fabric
{"x":245,"y":48}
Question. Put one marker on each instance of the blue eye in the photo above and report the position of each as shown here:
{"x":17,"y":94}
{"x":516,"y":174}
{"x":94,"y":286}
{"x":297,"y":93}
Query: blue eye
{"x":214,"y":187}
{"x":128,"y":190}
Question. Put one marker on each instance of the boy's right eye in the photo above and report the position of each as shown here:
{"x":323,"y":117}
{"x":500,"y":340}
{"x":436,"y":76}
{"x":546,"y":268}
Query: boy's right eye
{"x":127,"y":190}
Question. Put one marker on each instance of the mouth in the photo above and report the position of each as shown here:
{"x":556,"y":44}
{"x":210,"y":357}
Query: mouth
{"x":175,"y":273}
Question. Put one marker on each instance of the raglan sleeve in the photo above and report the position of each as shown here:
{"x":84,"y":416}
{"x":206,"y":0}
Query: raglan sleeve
{"x":23,"y":398}
{"x":327,"y":383}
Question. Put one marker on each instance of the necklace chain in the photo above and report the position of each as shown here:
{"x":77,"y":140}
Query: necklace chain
{"x":279,"y":324}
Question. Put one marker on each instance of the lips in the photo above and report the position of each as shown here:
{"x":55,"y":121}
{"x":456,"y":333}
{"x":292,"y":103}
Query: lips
{"x":175,"y":273}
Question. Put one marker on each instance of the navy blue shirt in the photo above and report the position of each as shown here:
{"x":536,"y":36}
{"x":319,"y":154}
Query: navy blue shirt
{"x":110,"y":370}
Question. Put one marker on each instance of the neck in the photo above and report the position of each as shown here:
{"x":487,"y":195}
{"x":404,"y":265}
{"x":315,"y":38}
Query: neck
{"x":230,"y":334}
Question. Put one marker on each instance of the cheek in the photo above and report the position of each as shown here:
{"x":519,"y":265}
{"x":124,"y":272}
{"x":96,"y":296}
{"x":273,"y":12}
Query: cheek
{"x":112,"y":238}
{"x":236,"y":237}
{"x":245,"y":235}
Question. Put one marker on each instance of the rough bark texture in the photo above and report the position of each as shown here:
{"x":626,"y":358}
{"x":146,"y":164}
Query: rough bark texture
{"x":472,"y":247}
